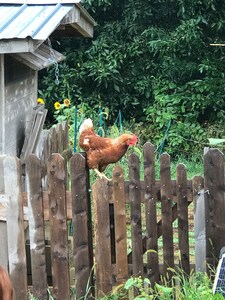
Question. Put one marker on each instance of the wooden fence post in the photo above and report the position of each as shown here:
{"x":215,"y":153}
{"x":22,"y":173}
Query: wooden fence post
{"x":214,"y":205}
{"x":120,"y":225}
{"x":151,"y":215}
{"x":58,"y":227}
{"x":199,"y":223}
{"x":102,"y":237}
{"x":135,"y":208}
{"x":182,"y":213}
{"x":82,"y":233}
{"x":36,"y":228}
{"x":167,"y":218}
{"x":15,"y":227}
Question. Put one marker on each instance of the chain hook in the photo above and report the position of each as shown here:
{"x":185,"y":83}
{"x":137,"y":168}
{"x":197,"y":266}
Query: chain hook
{"x":54,"y":61}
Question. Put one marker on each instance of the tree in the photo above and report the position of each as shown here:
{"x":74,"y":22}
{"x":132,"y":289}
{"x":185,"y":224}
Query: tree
{"x":152,"y":60}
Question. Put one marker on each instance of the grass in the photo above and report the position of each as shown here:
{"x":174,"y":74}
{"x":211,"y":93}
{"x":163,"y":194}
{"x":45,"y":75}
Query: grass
{"x":197,"y":286}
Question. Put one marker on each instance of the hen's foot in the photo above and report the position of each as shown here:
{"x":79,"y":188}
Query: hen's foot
{"x":101,"y":175}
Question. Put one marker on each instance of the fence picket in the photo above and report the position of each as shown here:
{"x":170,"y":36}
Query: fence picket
{"x":15,"y":229}
{"x":182,"y":212}
{"x":36,"y":228}
{"x":150,"y":211}
{"x":59,"y":135}
{"x":214,"y":205}
{"x":53,"y":140}
{"x":120,"y":225}
{"x":81,"y":221}
{"x":167,"y":218}
{"x":65,"y":135}
{"x":199,"y":223}
{"x":102,"y":237}
{"x":135,"y":209}
{"x":110,"y":202}
{"x":58,"y":224}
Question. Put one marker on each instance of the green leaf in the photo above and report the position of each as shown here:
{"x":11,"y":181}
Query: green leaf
{"x":129,"y":283}
{"x":166,"y":290}
{"x":216,"y":141}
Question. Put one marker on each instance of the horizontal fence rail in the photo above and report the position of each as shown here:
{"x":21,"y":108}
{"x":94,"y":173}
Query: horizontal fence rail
{"x":141,"y":226}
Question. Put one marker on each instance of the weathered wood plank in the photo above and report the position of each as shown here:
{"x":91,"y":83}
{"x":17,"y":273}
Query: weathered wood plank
{"x":151,"y":215}
{"x":214,"y":205}
{"x":120,"y":225}
{"x":68,"y":197}
{"x":167,"y":218}
{"x":65,"y":137}
{"x":81,"y":251}
{"x":110,"y":186}
{"x":46,"y":148}
{"x":36,"y":228}
{"x":59,"y":134}
{"x":135,"y":210}
{"x":157,"y":192}
{"x":15,"y":229}
{"x":199,"y":224}
{"x":58,"y":227}
{"x":102,"y":237}
{"x":46,"y":205}
{"x":3,"y":226}
{"x":53,"y":140}
{"x":34,"y":131}
{"x":182,"y":212}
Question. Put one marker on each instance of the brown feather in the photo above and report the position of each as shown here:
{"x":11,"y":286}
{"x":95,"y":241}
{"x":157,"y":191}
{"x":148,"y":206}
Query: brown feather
{"x":103,"y":151}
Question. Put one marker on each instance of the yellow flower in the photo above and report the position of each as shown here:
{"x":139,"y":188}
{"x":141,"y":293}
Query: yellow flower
{"x":66,"y":102}
{"x":40,"y":101}
{"x":57,"y":105}
{"x":80,"y":111}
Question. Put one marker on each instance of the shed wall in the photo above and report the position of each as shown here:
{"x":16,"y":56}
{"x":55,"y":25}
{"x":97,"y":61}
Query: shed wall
{"x":2,"y":104}
{"x":20,"y":97}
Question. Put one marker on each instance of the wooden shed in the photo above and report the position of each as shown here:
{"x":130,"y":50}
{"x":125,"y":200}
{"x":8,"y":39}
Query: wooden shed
{"x":25,"y":28}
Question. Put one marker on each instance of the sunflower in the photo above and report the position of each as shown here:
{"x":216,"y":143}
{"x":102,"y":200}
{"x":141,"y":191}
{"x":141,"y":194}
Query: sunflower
{"x":57,"y":105}
{"x":66,"y":102}
{"x":40,"y":101}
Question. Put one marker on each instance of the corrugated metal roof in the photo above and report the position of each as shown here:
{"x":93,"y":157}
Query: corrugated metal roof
{"x":38,"y":1}
{"x":31,"y":20}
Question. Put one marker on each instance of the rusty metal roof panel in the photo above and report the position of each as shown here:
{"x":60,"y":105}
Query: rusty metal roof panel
{"x":36,"y":21}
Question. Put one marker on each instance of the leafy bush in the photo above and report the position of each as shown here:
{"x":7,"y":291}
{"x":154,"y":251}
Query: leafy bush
{"x":153,"y":62}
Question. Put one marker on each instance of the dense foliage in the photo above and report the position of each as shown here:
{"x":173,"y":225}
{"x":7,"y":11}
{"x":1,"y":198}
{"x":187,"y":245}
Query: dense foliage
{"x":153,"y":61}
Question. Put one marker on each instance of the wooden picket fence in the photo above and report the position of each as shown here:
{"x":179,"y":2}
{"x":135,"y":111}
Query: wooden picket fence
{"x":101,"y":242}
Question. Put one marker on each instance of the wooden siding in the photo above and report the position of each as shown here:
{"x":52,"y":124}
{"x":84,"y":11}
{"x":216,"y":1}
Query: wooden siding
{"x":20,"y":98}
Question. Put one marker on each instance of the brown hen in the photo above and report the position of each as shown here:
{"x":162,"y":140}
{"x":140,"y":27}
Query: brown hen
{"x":103,"y":151}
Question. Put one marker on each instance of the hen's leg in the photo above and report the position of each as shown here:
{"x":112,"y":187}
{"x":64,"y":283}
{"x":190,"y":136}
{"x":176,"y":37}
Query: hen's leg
{"x":101,"y":175}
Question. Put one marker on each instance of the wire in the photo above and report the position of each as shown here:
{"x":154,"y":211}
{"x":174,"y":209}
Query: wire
{"x":120,"y":122}
{"x":100,"y":129}
{"x":75,"y":131}
{"x":161,"y":146}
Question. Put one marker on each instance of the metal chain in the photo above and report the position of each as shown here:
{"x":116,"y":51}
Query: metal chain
{"x":54,"y":61}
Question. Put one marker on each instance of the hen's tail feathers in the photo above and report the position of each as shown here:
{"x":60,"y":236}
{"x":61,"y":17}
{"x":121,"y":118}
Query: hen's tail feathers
{"x":87,"y":124}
